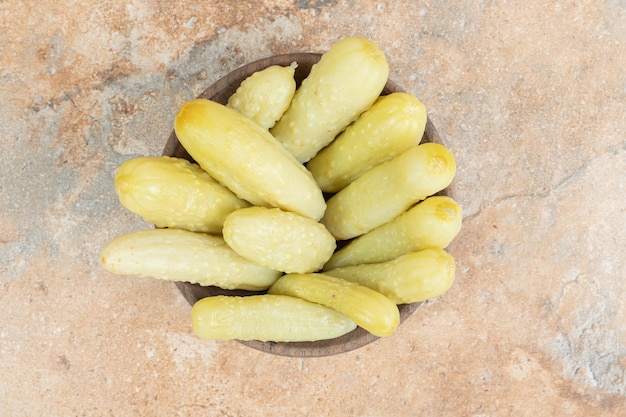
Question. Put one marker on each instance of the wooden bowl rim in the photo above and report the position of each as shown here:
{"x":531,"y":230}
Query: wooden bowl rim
{"x":219,"y":91}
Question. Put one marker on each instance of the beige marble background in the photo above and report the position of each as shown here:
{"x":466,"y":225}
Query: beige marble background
{"x":529,"y":95}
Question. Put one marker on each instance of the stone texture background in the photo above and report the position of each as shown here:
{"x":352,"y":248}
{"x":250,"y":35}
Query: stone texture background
{"x":529,"y":95}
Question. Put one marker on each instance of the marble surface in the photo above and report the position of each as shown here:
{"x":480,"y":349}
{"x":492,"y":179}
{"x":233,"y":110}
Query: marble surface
{"x":530,"y":97}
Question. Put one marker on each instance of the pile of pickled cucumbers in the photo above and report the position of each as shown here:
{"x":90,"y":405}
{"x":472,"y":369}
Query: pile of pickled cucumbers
{"x":321,"y":197}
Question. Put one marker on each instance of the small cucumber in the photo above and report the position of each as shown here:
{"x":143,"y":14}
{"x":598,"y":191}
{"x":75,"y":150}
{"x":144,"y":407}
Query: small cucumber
{"x":432,"y":223}
{"x":244,"y":157}
{"x":392,"y":125}
{"x":278,"y":239}
{"x":265,"y":95}
{"x":345,"y":82}
{"x":180,"y":255}
{"x":268,"y":318}
{"x":172,"y":192}
{"x":410,"y":278}
{"x":387,"y":190}
{"x":369,"y":309}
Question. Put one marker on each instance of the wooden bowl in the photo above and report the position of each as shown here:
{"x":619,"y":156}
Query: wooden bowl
{"x":220,"y":91}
